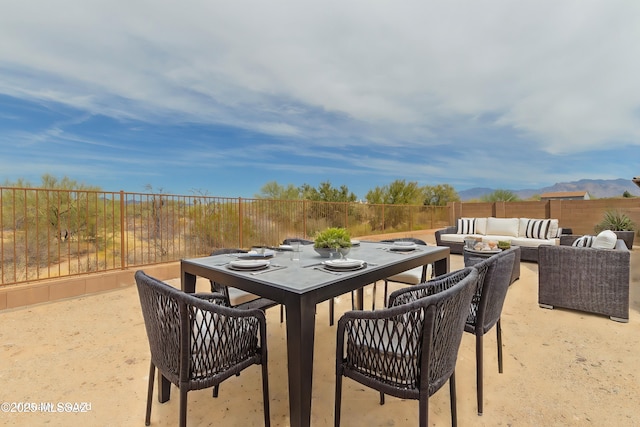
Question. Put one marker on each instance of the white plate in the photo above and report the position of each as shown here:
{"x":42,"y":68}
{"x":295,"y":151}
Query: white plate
{"x":249,"y":264}
{"x":268,"y":253}
{"x":403,"y":246}
{"x":343,"y":263}
{"x":488,"y":251}
{"x":404,"y":243}
{"x":355,"y":242}
{"x":286,"y":247}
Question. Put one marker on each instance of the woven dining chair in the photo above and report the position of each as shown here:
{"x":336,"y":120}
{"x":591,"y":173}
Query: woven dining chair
{"x":196,"y":342}
{"x":486,"y":307}
{"x":415,"y":276}
{"x":408,"y":350}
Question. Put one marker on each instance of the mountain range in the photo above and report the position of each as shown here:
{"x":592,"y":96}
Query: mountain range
{"x":597,"y":189}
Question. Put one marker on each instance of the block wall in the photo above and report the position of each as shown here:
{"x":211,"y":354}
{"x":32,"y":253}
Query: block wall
{"x":579,"y":215}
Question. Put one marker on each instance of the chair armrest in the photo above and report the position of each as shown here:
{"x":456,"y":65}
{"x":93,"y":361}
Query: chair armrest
{"x":568,"y":239}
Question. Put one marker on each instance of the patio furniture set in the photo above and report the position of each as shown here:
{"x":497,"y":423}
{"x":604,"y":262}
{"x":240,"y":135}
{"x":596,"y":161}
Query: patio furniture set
{"x":407,"y":349}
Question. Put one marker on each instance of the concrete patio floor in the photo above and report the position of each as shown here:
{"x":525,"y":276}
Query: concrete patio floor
{"x":561,"y":367}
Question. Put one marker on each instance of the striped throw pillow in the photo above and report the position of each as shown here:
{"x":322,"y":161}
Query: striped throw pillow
{"x":537,"y":228}
{"x":583,"y":242}
{"x":466,"y":226}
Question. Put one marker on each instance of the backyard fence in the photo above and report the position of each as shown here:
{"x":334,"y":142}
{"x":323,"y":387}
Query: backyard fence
{"x":47,"y":233}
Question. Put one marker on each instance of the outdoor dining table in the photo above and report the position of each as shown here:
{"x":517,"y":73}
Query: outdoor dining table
{"x":300,"y":285}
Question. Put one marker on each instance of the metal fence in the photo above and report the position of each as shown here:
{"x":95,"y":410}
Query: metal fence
{"x":55,"y":233}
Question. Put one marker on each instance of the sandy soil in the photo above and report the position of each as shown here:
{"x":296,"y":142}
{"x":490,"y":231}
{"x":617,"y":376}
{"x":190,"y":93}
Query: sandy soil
{"x":562,"y":368}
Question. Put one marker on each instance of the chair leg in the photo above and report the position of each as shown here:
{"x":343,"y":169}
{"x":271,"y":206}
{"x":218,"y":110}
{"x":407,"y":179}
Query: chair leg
{"x":338,"y":403}
{"x":183,"y":407}
{"x":423,"y":410}
{"x":331,"y":308}
{"x":452,"y":397}
{"x":384,"y":301}
{"x":216,"y":389}
{"x":373,"y":297}
{"x":499,"y":339}
{"x":152,"y":373}
{"x":265,"y":394}
{"x":381,"y":398}
{"x":479,"y":363}
{"x":281,"y":313}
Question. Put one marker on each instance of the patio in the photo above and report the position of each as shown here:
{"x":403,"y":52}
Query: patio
{"x":561,"y":367}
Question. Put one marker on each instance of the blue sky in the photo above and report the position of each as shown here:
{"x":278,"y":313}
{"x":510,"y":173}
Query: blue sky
{"x":221,"y":97}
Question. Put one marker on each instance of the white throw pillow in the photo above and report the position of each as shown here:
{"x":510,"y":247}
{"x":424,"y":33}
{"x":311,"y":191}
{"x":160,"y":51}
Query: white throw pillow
{"x":605,"y":240}
{"x":538,"y":228}
{"x":502,"y":226}
{"x":554,"y":229}
{"x":585,"y":241}
{"x":466,"y":226}
{"x":522,"y":226}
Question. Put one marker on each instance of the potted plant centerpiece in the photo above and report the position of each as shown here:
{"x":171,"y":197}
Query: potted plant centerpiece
{"x":332,"y":240}
{"x":619,"y":223}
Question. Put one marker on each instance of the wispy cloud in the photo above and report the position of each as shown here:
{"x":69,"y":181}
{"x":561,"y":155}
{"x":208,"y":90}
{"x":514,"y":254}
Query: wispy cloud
{"x":445,"y":91}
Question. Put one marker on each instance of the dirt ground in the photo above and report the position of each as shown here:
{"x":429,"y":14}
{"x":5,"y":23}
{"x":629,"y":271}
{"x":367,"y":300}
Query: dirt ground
{"x":561,"y":368}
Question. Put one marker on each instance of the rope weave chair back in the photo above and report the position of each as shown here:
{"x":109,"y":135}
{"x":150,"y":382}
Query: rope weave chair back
{"x":196,"y":341}
{"x":495,"y":278}
{"x":408,"y":350}
{"x":486,"y":308}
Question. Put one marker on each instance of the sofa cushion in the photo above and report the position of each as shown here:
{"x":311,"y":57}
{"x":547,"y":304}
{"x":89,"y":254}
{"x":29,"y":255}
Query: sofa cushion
{"x":458,"y":238}
{"x":481,"y":225}
{"x":531,"y":243}
{"x":605,"y":240}
{"x":585,"y":241}
{"x":466,"y":226}
{"x":502,"y":226}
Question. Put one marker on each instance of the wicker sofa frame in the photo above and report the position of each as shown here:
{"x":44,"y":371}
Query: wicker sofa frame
{"x":585,"y":279}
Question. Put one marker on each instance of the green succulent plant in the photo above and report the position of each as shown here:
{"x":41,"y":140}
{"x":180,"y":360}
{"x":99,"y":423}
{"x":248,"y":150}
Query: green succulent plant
{"x":333,"y":237}
{"x":615,"y":220}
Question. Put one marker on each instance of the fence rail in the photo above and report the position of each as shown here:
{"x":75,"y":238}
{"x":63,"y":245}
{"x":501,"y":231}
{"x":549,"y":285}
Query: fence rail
{"x":48,"y":233}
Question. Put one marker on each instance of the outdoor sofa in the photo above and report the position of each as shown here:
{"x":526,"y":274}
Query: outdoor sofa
{"x":528,"y":233}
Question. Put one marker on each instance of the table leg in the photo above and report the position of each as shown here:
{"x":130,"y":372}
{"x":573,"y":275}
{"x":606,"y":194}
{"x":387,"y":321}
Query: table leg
{"x":359,"y":299}
{"x":300,"y":340}
{"x":188,"y":282}
{"x":441,"y":267}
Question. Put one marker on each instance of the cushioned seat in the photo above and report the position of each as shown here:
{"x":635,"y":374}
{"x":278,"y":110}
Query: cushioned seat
{"x":414,"y":276}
